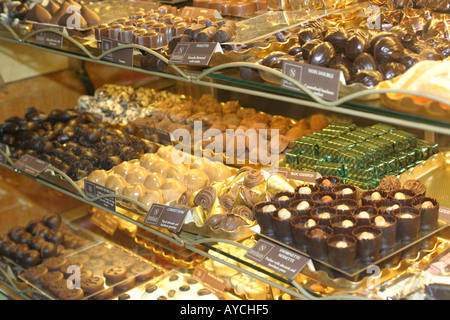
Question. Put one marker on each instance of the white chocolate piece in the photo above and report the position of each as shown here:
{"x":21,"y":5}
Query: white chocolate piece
{"x":375,"y":196}
{"x":406,"y":216}
{"x":310,"y":223}
{"x":342,"y":207}
{"x":341,"y":244}
{"x":427,"y":204}
{"x":284,"y":214}
{"x":380,"y":221}
{"x":347,"y":224}
{"x":324,"y":215}
{"x":346,"y":191}
{"x":304,"y":190}
{"x":303,"y":205}
{"x":363,"y":215}
{"x":269,"y":208}
{"x":399,"y":196}
{"x":366,"y":236}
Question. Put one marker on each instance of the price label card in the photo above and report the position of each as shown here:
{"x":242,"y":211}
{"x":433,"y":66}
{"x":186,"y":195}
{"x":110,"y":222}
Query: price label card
{"x":31,"y":165}
{"x":305,"y":176}
{"x":195,"y":12}
{"x":444,"y":214}
{"x":324,"y":82}
{"x":105,"y":221}
{"x":94,"y":190}
{"x":124,"y":56}
{"x":277,"y":258}
{"x":166,"y":217}
{"x":194,"y":53}
{"x":163,"y":135}
{"x":5,"y":150}
{"x":49,"y":39}
{"x":210,"y":278}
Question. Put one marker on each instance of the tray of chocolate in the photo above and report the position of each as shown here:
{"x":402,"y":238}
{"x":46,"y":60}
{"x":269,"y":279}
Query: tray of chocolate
{"x":222,"y":125}
{"x":98,"y":271}
{"x":70,"y":15}
{"x":346,"y":230}
{"x":172,"y":285}
{"x":366,"y":57}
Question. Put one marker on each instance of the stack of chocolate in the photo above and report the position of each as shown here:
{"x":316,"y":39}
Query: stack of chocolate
{"x":361,"y":156}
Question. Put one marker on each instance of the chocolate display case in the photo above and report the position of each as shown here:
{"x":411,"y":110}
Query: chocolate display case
{"x":221,"y":75}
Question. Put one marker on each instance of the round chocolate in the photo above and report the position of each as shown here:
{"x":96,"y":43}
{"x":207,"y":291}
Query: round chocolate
{"x":342,"y":250}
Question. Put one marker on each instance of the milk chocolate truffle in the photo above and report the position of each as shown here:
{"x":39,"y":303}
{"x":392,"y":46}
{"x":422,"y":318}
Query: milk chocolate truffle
{"x":429,"y":212}
{"x":195,"y":179}
{"x":124,"y":168}
{"x":316,"y":239}
{"x":263,"y":213}
{"x":389,"y":183}
{"x":92,"y":18}
{"x":98,"y":176}
{"x":416,"y":186}
{"x":138,"y":174}
{"x":39,"y":14}
{"x":299,"y":226}
{"x":369,"y":240}
{"x":154,"y":181}
{"x":408,"y":223}
{"x":116,"y":183}
{"x":342,"y":250}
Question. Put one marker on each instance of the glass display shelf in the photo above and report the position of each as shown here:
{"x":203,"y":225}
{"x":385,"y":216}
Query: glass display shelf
{"x":356,"y":101}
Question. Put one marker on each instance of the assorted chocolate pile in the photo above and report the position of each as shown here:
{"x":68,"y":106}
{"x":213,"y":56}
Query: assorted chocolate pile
{"x":67,"y":14}
{"x":223,"y":124}
{"x":123,"y":104}
{"x":71,"y":141}
{"x":104,"y":272}
{"x":40,"y":239}
{"x":365,"y":56}
{"x":334,"y":222}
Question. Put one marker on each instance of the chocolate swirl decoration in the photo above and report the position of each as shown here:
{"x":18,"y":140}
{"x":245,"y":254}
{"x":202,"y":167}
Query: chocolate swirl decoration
{"x":205,"y":198}
{"x":227,"y":222}
{"x":236,"y":187}
{"x":389,"y":183}
{"x":253,"y":178}
{"x":185,"y":198}
{"x":226,"y":200}
{"x":416,"y":186}
{"x":250,"y":197}
{"x":243,"y":169}
{"x":244,"y":212}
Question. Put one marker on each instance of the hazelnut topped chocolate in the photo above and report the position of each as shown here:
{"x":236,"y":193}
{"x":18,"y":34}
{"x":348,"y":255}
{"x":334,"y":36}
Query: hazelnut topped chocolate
{"x":327,"y":183}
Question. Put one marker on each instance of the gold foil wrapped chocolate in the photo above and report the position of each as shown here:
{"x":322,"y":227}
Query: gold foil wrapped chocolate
{"x":277,"y":183}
